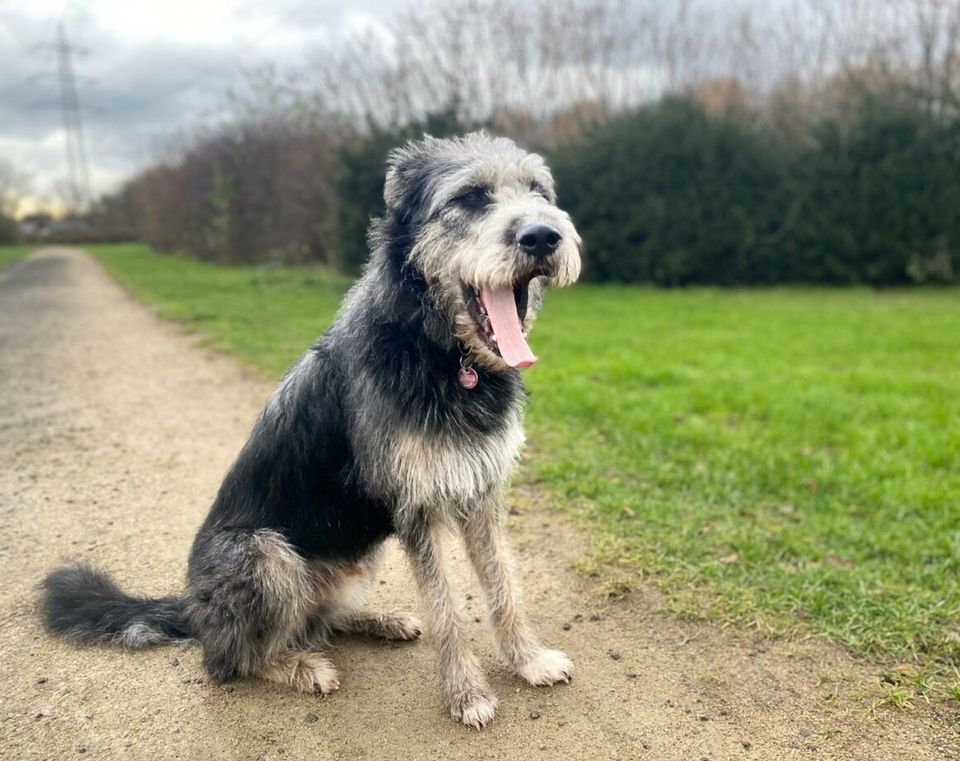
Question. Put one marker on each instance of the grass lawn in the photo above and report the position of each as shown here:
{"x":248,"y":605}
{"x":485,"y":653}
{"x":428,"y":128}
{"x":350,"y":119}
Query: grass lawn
{"x":785,"y":459}
{"x":9,"y":254}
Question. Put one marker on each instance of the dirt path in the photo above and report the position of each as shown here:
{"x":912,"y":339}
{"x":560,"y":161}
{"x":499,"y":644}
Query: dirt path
{"x":114,"y":433}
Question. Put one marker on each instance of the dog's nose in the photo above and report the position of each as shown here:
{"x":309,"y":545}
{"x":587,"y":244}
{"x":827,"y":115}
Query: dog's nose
{"x":539,"y":239}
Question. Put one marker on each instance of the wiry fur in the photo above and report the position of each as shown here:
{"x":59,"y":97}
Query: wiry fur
{"x":369,"y":435}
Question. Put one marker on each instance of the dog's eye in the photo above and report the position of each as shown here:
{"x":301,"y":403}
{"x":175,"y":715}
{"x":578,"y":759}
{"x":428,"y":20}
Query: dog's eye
{"x":539,"y":189}
{"x":474,"y":199}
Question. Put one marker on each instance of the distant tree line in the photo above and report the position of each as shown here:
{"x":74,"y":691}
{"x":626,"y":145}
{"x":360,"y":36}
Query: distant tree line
{"x":13,"y":185}
{"x":669,"y":194}
{"x":814,"y":142}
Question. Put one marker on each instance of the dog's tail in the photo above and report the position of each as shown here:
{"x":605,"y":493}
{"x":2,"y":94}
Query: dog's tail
{"x":83,"y":604}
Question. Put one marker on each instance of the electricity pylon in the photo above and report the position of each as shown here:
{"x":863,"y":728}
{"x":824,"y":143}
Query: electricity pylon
{"x":78,"y":173}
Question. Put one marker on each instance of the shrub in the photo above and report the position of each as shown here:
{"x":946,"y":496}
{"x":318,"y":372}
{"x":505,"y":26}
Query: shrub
{"x":666,"y":194}
{"x":669,"y":195}
{"x":9,"y":232}
{"x":881,"y":199}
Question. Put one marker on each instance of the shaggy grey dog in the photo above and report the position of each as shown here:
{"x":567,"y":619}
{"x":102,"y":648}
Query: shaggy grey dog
{"x":405,"y":419}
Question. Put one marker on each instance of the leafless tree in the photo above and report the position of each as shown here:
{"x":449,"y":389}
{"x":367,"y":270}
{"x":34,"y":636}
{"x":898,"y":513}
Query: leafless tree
{"x":14,"y":186}
{"x":262,"y":179}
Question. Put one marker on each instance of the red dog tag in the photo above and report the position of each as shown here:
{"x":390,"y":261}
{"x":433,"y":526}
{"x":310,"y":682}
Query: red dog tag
{"x":468,"y":377}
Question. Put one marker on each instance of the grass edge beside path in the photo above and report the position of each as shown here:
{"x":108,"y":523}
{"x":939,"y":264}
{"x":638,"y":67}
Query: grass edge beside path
{"x":11,"y":254}
{"x":787,"y":460}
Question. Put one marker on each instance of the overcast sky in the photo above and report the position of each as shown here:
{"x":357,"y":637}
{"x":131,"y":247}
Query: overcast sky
{"x":147,"y":69}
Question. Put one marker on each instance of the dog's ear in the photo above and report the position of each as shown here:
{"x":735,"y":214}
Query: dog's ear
{"x":392,"y":186}
{"x":405,"y":169}
{"x":405,"y":187}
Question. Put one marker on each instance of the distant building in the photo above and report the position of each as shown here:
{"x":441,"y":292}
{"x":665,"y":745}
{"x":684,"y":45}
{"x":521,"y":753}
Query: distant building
{"x":36,"y":226}
{"x":44,"y":226}
{"x":70,"y":229}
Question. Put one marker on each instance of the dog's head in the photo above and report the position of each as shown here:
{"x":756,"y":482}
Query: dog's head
{"x":483,"y":230}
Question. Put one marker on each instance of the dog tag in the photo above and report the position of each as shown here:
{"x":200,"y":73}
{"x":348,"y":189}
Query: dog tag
{"x":468,"y":377}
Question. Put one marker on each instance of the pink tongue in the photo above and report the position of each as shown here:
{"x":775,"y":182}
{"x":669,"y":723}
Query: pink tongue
{"x":502,"y":311}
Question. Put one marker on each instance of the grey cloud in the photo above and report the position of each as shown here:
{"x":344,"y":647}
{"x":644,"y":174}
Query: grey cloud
{"x":135,"y":94}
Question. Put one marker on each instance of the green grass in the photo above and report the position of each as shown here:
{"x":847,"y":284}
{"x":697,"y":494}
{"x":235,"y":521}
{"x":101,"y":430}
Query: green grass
{"x":10,"y":254}
{"x":783,"y":459}
{"x":266,"y":315}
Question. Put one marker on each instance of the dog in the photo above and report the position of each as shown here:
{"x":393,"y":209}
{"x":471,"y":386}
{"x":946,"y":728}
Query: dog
{"x":404,"y":419}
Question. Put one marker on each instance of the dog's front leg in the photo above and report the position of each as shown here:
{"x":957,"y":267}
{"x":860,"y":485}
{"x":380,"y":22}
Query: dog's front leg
{"x":486,"y":542}
{"x":468,"y":696}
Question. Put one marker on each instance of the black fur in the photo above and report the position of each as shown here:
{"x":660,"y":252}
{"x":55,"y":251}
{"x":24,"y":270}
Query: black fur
{"x":295,"y":475}
{"x":84,"y":605}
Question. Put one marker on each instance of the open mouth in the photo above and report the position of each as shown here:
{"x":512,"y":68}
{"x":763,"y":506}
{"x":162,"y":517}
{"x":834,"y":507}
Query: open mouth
{"x":499,"y":315}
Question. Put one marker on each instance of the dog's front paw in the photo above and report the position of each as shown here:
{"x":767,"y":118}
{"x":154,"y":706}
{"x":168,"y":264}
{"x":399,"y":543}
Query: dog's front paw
{"x":316,"y":674}
{"x":401,"y":627}
{"x":545,"y":667}
{"x":305,"y":672}
{"x":474,"y":708}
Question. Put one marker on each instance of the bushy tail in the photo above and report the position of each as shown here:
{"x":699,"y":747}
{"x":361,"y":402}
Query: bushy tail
{"x":85,"y":605}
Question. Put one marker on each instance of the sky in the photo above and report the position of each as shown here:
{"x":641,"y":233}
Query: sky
{"x":149,"y":70}
{"x":145,"y":69}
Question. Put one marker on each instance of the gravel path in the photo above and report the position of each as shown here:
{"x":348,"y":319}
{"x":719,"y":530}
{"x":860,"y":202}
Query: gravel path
{"x":115,"y":430}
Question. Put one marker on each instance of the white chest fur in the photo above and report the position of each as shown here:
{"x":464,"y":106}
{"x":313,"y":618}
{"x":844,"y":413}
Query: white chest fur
{"x":442,"y":474}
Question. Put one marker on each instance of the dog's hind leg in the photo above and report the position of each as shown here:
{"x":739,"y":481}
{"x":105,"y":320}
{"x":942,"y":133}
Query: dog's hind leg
{"x":486,"y":543}
{"x":250,"y":596}
{"x":468,"y":696}
{"x":342,"y":589}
